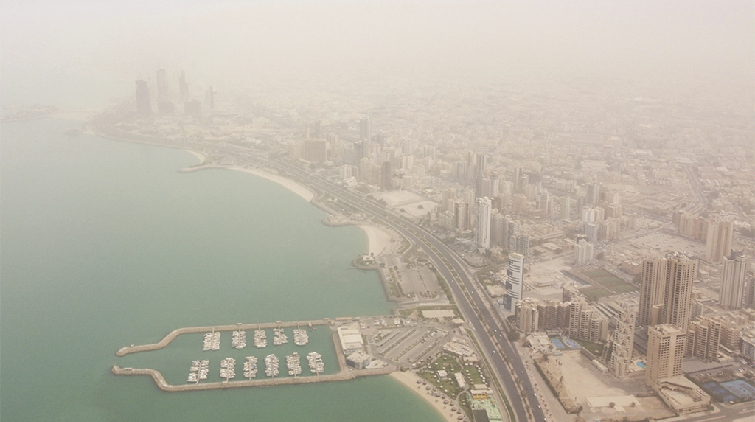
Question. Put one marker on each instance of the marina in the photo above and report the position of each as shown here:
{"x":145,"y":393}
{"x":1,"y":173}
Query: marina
{"x":199,"y":369}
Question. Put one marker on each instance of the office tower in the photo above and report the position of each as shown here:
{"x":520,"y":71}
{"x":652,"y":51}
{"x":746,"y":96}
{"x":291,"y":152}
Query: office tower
{"x":565,"y":208}
{"x":162,"y":85}
{"x":666,"y":291}
{"x":481,"y":164}
{"x":522,"y":244}
{"x":666,"y":347}
{"x":514,"y":280}
{"x":733,"y":280}
{"x":623,"y":341}
{"x":498,"y":225}
{"x":461,"y":215}
{"x":386,"y":175}
{"x":365,"y":129}
{"x":183,"y":87}
{"x":718,"y":242}
{"x":593,"y":193}
{"x":706,"y":337}
{"x":483,"y":187}
{"x":143,"y":105}
{"x":519,"y":204}
{"x":483,"y":222}
{"x":210,"y":98}
{"x":583,"y":252}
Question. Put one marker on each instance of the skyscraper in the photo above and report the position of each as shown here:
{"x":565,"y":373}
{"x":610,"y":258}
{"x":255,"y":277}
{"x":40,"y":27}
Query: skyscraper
{"x":483,"y":222}
{"x":666,"y":347}
{"x":365,"y":129}
{"x":706,"y":334}
{"x":210,"y":98}
{"x":718,"y":241}
{"x":143,"y":105}
{"x":733,"y":276}
{"x":183,"y":87}
{"x":162,"y":85}
{"x":514,"y":280}
{"x":666,"y":291}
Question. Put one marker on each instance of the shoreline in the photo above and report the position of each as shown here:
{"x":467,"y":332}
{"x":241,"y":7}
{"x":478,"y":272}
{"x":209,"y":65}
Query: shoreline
{"x":409,"y":379}
{"x":199,"y":156}
{"x":378,"y":239}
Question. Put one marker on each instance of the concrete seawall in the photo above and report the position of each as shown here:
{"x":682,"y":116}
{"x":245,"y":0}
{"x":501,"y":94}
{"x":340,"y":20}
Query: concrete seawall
{"x":345,"y":373}
{"x":188,"y":330}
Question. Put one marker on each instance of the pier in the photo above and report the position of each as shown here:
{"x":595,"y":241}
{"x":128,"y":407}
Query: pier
{"x":230,"y":327}
{"x":345,"y":373}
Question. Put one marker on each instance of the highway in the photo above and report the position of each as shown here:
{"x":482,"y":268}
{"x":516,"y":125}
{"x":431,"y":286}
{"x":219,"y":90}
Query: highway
{"x":482,"y":320}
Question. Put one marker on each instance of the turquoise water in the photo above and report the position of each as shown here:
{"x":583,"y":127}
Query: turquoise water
{"x":104,"y":245}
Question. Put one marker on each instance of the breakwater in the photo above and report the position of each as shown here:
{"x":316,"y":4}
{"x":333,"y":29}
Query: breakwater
{"x":231,"y":327}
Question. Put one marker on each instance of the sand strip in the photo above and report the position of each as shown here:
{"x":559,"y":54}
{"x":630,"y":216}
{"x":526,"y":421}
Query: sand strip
{"x":199,"y":156}
{"x":286,"y":183}
{"x":409,"y":379}
{"x":378,"y":240}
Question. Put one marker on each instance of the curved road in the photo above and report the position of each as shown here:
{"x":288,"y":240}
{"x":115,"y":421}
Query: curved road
{"x":448,"y":264}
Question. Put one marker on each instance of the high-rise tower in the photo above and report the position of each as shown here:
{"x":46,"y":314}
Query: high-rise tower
{"x":666,"y":347}
{"x":162,"y":85}
{"x":733,"y":280}
{"x":484,"y":206}
{"x":514,"y":279}
{"x":365,"y":129}
{"x":143,"y":105}
{"x":666,"y":291}
{"x":623,"y":342}
{"x":718,"y":241}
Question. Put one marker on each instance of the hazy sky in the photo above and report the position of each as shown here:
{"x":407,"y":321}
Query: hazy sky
{"x":48,"y":45}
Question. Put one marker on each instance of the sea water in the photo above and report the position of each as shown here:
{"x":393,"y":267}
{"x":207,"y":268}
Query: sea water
{"x":104,"y":244}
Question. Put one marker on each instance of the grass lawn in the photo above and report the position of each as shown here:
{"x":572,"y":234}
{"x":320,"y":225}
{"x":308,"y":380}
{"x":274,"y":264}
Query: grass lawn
{"x":609,"y":281}
{"x":595,"y":348}
{"x":595,"y":293}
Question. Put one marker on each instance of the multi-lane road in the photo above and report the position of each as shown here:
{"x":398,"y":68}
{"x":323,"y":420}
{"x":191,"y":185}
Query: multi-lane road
{"x":485,"y":323}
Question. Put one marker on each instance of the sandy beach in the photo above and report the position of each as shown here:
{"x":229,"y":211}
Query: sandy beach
{"x":199,"y":156}
{"x":289,"y":184}
{"x":378,"y":240}
{"x":409,"y":379}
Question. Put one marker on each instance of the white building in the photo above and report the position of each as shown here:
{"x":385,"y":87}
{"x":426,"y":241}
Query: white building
{"x":584,"y":252}
{"x":484,"y":206}
{"x":733,"y":280}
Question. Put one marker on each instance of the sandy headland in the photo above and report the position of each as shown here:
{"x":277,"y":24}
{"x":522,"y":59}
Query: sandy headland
{"x":378,"y":240}
{"x":409,"y":379}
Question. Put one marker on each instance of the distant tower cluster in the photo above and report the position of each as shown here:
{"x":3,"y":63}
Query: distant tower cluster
{"x":165,"y":99}
{"x":666,"y":291}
